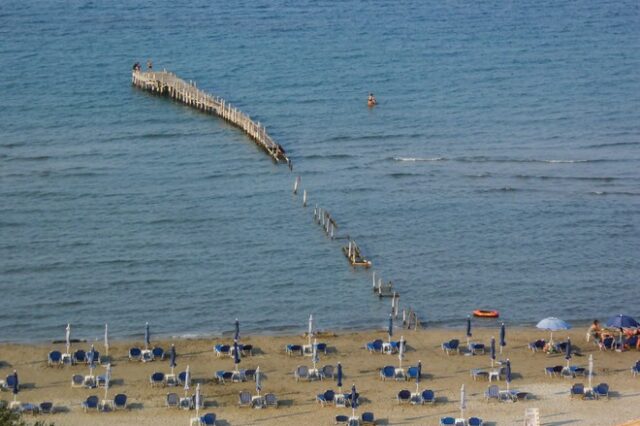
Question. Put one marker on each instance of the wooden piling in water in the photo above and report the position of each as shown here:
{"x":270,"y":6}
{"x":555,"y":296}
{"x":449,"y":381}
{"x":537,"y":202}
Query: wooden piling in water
{"x":168,"y":84}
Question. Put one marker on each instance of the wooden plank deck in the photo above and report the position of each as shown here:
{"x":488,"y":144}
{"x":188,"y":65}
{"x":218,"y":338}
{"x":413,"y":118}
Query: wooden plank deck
{"x":168,"y":84}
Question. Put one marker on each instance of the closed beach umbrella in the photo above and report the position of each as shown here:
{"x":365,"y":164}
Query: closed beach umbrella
{"x":390,"y":328}
{"x":106,"y":339}
{"x":339,"y":378}
{"x":508,"y":375}
{"x":468,"y":329}
{"x":68,"y":337}
{"x":187,"y":381}
{"x":622,"y":321}
{"x":237,"y":335}
{"x":463,"y":403}
{"x":354,"y":402}
{"x":401,"y":350}
{"x":198,"y":398}
{"x":107,"y":379}
{"x":590,"y":369}
{"x":90,"y":359}
{"x":567,"y":354}
{"x":172,"y":358}
{"x":16,"y":386}
{"x":310,"y":331}
{"x":236,"y":356}
{"x":553,"y":324}
{"x":503,"y":342}
{"x":147,"y":337}
{"x":493,"y":350}
{"x":418,"y":376}
{"x":314,"y":354}
{"x":258,"y":381}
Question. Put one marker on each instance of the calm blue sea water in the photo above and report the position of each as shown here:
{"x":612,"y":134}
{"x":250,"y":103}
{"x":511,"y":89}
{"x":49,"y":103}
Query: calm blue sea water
{"x":501,"y":168}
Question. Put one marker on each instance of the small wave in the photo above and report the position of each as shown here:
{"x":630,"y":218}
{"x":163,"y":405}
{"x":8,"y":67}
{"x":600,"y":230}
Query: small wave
{"x":416,"y":159}
{"x":612,"y":144}
{"x":578,"y":178}
{"x":503,"y":189}
{"x":4,"y":224}
{"x":327,"y":157}
{"x":35,"y":158}
{"x":12,"y":144}
{"x":402,"y":175}
{"x":479,"y":175}
{"x":165,"y":135}
{"x":623,"y":193}
{"x":342,"y":138}
{"x":485,"y":159}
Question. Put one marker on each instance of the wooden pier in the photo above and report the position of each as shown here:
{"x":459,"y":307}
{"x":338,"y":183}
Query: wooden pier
{"x":168,"y":84}
{"x":355,"y":258}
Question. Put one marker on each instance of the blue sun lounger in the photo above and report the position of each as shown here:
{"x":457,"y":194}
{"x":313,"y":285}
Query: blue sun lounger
{"x":208,"y":419}
{"x":388,"y":372}
{"x":375,"y":346}
{"x":55,"y":358}
{"x":91,"y":403}
{"x":452,"y":345}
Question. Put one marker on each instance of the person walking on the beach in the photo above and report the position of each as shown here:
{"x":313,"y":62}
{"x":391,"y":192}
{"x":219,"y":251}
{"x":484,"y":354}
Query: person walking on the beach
{"x":149,"y":64}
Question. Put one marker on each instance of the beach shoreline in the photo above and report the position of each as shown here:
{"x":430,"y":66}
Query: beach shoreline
{"x":442,"y":373}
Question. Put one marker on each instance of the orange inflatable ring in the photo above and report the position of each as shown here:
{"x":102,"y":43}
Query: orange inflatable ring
{"x":486,"y":314}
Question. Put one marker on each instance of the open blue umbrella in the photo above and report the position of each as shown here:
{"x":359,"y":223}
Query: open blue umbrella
{"x":553,"y":324}
{"x":339,"y":378}
{"x":567,"y":354}
{"x":147,"y":337}
{"x":237,"y":335}
{"x":508,"y":374}
{"x":236,"y":356}
{"x":493,"y":350}
{"x":503,"y":342}
{"x":172,"y":358}
{"x":622,"y":321}
{"x":16,"y":386}
{"x":390,"y":330}
{"x":468,"y":329}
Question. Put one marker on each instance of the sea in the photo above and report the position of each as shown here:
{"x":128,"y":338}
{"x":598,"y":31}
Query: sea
{"x":500,"y":169}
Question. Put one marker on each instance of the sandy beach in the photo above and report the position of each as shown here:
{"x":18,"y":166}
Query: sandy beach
{"x":442,"y":373}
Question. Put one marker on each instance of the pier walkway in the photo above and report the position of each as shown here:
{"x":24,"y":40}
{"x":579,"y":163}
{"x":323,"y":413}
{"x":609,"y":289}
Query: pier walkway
{"x":168,"y":84}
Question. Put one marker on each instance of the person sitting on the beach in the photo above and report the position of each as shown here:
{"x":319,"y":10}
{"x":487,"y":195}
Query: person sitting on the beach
{"x":595,"y":331}
{"x":549,"y":347}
